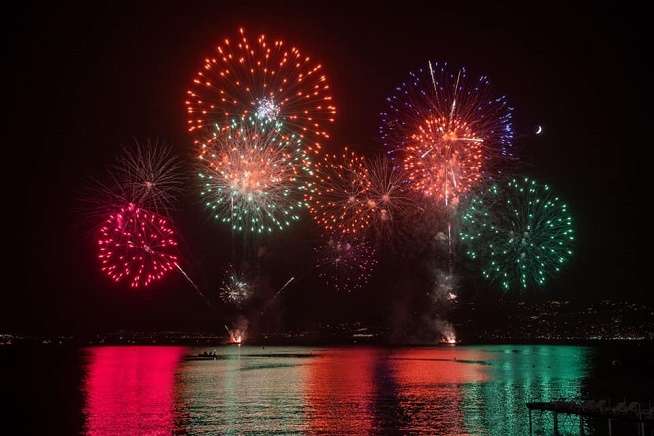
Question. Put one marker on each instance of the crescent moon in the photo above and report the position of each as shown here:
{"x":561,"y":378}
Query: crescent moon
{"x":539,"y":130}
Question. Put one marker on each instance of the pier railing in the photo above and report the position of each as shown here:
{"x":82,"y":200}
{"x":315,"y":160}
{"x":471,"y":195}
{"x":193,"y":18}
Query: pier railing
{"x":633,"y":411}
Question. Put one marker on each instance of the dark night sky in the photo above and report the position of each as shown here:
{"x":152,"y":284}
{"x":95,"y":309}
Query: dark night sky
{"x":84,"y":80}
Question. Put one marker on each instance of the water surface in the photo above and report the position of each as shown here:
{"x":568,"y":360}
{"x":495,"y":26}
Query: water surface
{"x":155,"y":390}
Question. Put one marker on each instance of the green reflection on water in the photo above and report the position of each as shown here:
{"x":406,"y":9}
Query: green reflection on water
{"x":520,"y":374}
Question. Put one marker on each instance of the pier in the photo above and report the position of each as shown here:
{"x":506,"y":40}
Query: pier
{"x":641,"y":415}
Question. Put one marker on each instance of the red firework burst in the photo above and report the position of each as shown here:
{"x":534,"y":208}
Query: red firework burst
{"x":270,"y":80}
{"x":444,"y":158}
{"x":137,"y":246}
{"x":340,"y":194}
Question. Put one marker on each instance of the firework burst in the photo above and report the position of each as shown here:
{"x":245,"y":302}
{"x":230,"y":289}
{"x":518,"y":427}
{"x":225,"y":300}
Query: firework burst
{"x":340,"y":193}
{"x":389,"y":193}
{"x":252,"y":177}
{"x":235,"y":288}
{"x":149,"y":175}
{"x":346,"y":264}
{"x":137,"y":246}
{"x":447,"y":130}
{"x":270,"y":80}
{"x":519,"y":231}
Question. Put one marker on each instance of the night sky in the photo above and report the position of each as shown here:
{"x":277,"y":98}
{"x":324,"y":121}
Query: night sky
{"x":85,"y":80}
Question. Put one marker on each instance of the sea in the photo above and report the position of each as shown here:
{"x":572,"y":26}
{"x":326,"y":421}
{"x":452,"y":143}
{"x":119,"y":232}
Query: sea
{"x":440,"y":390}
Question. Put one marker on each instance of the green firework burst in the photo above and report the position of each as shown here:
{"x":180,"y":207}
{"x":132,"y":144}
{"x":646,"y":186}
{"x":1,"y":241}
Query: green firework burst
{"x":519,"y":231}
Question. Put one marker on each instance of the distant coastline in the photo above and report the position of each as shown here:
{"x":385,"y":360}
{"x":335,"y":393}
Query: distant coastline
{"x":211,"y":339}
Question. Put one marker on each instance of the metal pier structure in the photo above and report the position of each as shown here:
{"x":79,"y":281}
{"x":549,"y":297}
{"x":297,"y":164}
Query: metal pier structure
{"x":641,"y":415}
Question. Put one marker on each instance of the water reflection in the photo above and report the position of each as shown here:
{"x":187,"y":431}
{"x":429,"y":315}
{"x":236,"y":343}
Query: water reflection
{"x":130,"y":390}
{"x":246,"y":389}
{"x":339,"y":392}
{"x":432,"y":384}
{"x":520,"y":374}
{"x":457,"y":390}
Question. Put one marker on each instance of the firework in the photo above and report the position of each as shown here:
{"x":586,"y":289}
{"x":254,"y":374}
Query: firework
{"x":235,"y":288}
{"x":275,"y":295}
{"x":446,"y":129}
{"x":444,"y":288}
{"x":267,"y":79}
{"x":149,"y":175}
{"x":137,"y":246}
{"x":346,"y":264}
{"x":236,"y":336}
{"x":252,"y":177}
{"x":340,"y":193}
{"x":448,"y":337}
{"x":519,"y":231}
{"x":388,"y":194}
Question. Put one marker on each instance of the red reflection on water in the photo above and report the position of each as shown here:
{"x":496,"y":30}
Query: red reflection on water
{"x":431,"y":383}
{"x":130,"y":390}
{"x":339,"y":392}
{"x":440,"y":366}
{"x":372,"y":391}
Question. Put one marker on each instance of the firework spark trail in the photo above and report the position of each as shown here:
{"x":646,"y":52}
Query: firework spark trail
{"x":285,"y":285}
{"x":252,"y":177}
{"x":197,"y":289}
{"x":433,"y":79}
{"x":269,"y":303}
{"x":268,"y":79}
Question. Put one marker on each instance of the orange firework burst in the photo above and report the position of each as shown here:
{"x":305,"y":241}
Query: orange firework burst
{"x":444,"y":158}
{"x":269,"y":80}
{"x":338,"y":198}
{"x":389,"y":193}
{"x":252,"y":177}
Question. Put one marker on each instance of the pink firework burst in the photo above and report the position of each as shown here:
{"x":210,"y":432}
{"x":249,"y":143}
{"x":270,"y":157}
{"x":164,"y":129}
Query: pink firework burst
{"x":346,"y":264}
{"x":137,"y":246}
